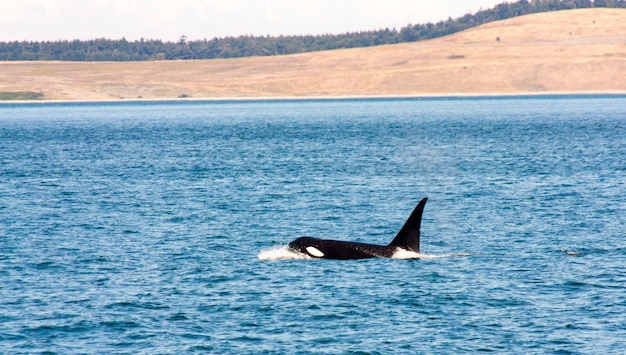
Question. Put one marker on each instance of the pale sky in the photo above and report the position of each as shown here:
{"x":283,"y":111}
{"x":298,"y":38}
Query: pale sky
{"x":42,"y":20}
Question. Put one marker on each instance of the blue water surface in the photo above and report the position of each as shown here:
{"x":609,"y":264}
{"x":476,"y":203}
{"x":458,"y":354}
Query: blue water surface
{"x":146,"y":227}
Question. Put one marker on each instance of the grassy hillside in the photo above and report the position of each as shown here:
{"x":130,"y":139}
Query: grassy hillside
{"x":566,"y":51}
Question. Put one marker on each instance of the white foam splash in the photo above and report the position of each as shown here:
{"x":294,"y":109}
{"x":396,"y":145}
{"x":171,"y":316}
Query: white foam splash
{"x":281,"y":253}
{"x":406,"y":254}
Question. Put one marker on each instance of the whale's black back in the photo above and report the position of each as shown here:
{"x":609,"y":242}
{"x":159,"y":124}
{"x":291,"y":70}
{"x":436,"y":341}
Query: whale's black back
{"x":408,"y":238}
{"x":409,"y":235}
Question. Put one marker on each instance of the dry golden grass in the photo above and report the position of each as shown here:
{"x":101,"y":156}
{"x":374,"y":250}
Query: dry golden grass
{"x":572,"y":51}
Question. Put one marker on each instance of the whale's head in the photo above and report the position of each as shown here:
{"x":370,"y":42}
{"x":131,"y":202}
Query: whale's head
{"x":308,"y":246}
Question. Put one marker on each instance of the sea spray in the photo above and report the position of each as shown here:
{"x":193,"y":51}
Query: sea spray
{"x":281,"y":253}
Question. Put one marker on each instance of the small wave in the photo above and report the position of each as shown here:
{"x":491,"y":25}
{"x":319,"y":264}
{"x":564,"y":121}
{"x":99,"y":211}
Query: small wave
{"x":405,"y":254}
{"x":572,"y":252}
{"x":451,"y":255}
{"x":281,"y":253}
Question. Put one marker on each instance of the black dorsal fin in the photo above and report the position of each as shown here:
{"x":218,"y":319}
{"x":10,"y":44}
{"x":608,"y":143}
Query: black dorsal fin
{"x":409,"y":236}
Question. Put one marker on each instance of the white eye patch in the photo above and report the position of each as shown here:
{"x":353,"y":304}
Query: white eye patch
{"x":314,"y":252}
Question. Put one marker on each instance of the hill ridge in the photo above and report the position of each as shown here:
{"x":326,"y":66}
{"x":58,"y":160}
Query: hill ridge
{"x":554,"y":52}
{"x":103,"y":49}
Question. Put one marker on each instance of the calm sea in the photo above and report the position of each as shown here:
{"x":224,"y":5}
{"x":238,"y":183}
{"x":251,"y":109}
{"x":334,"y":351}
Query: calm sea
{"x":160,"y":228}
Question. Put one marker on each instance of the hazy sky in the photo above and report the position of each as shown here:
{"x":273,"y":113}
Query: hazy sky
{"x":197,"y":19}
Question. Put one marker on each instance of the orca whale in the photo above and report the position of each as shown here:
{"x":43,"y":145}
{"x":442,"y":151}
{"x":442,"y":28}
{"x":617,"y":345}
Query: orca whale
{"x":407,"y":240}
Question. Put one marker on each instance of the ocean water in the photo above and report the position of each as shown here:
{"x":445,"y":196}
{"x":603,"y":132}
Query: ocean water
{"x":161,"y":228}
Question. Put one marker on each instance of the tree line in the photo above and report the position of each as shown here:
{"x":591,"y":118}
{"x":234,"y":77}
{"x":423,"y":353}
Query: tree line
{"x":103,"y":49}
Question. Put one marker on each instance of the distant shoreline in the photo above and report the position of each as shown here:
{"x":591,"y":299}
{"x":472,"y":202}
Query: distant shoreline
{"x":468,"y":96}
